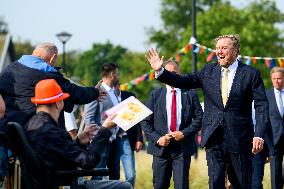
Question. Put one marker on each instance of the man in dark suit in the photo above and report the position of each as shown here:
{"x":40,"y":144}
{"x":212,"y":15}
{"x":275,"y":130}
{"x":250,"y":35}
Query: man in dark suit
{"x":177,"y":116}
{"x":229,"y":87}
{"x":131,"y":141}
{"x":275,"y":98}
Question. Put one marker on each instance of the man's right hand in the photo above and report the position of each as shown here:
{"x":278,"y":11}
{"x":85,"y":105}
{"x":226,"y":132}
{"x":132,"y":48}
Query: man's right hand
{"x":164,"y":140}
{"x":102,"y":95}
{"x":154,"y":59}
{"x":108,"y":123}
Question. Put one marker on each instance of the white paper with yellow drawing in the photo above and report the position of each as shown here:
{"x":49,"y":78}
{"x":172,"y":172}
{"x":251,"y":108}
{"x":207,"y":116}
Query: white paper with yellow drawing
{"x":129,"y":112}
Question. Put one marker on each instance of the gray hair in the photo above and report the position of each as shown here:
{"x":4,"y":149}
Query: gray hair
{"x":234,"y":37}
{"x":50,"y":48}
{"x":277,"y":69}
{"x":171,"y":60}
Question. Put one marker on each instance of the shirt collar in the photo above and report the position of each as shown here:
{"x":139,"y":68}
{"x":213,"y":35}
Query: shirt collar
{"x":233,"y":67}
{"x":107,"y":88}
{"x":169,"y":89}
{"x":277,"y":91}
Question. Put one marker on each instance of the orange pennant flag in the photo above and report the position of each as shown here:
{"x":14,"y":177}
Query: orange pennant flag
{"x":202,"y":49}
{"x":253,"y":60}
{"x":178,"y":58}
{"x":188,"y":47}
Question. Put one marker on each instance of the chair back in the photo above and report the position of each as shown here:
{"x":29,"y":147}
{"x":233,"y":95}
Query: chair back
{"x":31,"y":168}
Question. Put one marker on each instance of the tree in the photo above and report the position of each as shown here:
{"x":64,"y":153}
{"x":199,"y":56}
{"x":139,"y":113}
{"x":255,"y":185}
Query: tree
{"x":89,"y":63}
{"x":23,"y":48}
{"x":256,"y":24}
{"x":3,"y":26}
{"x":176,"y":17}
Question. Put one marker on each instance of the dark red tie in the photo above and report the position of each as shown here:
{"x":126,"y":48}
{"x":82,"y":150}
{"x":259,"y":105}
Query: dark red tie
{"x":174,"y":112}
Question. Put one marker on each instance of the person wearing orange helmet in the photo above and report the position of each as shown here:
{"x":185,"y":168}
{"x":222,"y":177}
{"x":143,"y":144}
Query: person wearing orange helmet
{"x":55,"y":148}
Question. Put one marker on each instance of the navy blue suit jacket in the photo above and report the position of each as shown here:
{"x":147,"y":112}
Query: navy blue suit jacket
{"x":156,"y":124}
{"x":235,"y":118}
{"x":274,"y":115}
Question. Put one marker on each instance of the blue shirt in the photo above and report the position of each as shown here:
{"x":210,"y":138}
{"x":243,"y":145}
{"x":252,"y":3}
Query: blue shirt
{"x":36,"y":63}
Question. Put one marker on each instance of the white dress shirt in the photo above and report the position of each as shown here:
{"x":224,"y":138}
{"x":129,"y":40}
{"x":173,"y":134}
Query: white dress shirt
{"x":231,"y":74}
{"x":276,"y":93}
{"x":169,"y":105}
{"x":115,"y":101}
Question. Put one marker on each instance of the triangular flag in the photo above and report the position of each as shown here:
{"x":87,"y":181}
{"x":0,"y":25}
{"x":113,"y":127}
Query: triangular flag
{"x":178,"y":58}
{"x":272,"y":63}
{"x":210,"y":57}
{"x":151,"y":75}
{"x":279,"y":62}
{"x":202,"y":49}
{"x":123,"y":87}
{"x":184,"y":51}
{"x":196,"y":50}
{"x":192,"y":40}
{"x":248,"y":62}
{"x":188,"y":47}
{"x":146,"y":77}
{"x":130,"y":86}
{"x":267,"y":63}
{"x":254,"y":60}
{"x":282,"y":64}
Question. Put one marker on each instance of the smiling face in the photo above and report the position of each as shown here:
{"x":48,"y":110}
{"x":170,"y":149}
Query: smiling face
{"x":226,"y":52}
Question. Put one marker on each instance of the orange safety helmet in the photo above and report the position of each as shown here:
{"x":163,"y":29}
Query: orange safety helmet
{"x":48,"y":91}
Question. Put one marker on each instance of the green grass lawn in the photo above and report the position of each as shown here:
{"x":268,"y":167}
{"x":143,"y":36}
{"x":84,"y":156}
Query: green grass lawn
{"x":198,"y":178}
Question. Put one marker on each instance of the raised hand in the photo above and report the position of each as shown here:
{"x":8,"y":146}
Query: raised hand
{"x":154,"y":59}
{"x":102,"y":93}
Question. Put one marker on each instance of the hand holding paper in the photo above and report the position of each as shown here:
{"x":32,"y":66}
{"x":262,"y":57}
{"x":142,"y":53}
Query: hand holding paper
{"x":128,"y":113}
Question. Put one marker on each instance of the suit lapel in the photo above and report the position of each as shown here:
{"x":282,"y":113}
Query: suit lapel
{"x":184,"y":102}
{"x":216,"y":75}
{"x":236,"y":81}
{"x":163,"y":105}
{"x":108,"y":98}
{"x":274,"y":103}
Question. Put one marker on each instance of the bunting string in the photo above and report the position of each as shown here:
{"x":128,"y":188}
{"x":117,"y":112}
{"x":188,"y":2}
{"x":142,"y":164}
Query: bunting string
{"x":269,"y":62}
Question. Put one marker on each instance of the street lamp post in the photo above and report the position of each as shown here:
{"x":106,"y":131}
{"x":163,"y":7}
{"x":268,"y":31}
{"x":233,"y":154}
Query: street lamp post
{"x":63,"y":37}
{"x":193,"y":17}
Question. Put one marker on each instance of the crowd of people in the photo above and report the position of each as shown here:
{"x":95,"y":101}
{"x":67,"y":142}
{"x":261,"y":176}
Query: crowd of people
{"x":241,"y":124}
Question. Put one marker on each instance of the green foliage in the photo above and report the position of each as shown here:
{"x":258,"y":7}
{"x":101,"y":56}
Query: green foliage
{"x":89,"y":63}
{"x":256,"y":24}
{"x":23,"y":48}
{"x":3,"y":26}
{"x":133,"y":65}
{"x":176,"y":16}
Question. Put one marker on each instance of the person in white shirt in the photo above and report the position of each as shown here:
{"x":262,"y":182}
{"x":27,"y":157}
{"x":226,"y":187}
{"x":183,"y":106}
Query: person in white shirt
{"x":94,"y":114}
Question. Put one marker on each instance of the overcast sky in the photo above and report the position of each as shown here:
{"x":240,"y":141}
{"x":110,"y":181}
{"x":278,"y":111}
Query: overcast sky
{"x":119,"y":21}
